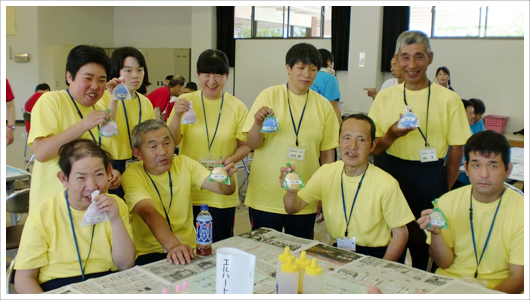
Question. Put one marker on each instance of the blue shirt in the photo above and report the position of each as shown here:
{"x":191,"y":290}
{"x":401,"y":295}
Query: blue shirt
{"x":326,"y":85}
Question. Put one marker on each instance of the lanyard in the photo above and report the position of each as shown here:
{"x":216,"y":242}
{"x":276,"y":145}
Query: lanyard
{"x":354,"y":199}
{"x":206,"y":122}
{"x":127,"y":119}
{"x":81,"y":116}
{"x":428,"y":101}
{"x":296,"y":130}
{"x":160,"y":197}
{"x":473,"y":231}
{"x":81,"y":266}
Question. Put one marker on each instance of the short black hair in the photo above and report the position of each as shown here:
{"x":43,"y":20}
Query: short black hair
{"x":304,"y":53}
{"x":191,"y":85}
{"x":169,"y":77}
{"x":213,"y":62}
{"x":362,"y":117}
{"x":487,"y":142}
{"x":119,"y":55}
{"x":78,"y":149}
{"x":42,"y":87}
{"x":176,"y":80}
{"x":446,"y":70}
{"x":142,"y":89}
{"x":325,"y":55}
{"x":467,"y":103}
{"x":479,"y":106}
{"x":84,"y":54}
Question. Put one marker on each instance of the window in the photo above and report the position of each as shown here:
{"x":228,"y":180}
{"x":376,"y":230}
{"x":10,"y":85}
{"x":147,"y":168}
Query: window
{"x":282,"y":22}
{"x":468,"y":21}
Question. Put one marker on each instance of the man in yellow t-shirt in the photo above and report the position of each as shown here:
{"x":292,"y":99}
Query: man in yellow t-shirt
{"x":485,"y":238}
{"x":308,"y":137}
{"x":62,"y":116}
{"x":414,"y":156}
{"x":362,"y":204}
{"x":157,"y":192}
{"x":54,"y":245}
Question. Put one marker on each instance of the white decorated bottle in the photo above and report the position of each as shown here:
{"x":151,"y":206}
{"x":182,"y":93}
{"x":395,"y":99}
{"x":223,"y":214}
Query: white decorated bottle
{"x":204,"y":232}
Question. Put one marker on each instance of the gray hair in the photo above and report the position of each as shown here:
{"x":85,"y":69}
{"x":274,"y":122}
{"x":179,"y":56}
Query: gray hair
{"x":412,"y":37}
{"x":146,"y":126}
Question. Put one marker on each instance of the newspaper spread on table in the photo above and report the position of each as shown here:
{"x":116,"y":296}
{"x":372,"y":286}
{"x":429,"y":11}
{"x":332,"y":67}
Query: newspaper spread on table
{"x":344,"y":272}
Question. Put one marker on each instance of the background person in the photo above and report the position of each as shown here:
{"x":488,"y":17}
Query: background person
{"x":190,"y":87}
{"x":218,"y":133}
{"x":326,"y":83}
{"x":443,"y":78}
{"x":10,"y":115}
{"x":485,"y":238}
{"x":28,"y":106}
{"x":398,"y":79}
{"x":480,"y":110}
{"x":308,"y":138}
{"x":53,"y":241}
{"x":160,"y":97}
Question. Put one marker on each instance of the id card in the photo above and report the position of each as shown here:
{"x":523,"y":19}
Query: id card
{"x":295,"y":153}
{"x":129,"y":162}
{"x":346,"y":243}
{"x":428,"y":155}
{"x":207,"y":162}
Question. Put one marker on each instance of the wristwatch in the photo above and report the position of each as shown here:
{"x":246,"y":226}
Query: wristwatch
{"x":12,"y":127}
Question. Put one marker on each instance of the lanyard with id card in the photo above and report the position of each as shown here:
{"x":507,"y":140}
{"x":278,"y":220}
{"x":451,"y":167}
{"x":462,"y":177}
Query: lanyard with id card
{"x":346,"y":242}
{"x":427,"y":154}
{"x":209,"y":162}
{"x":131,"y":160}
{"x":296,"y":152}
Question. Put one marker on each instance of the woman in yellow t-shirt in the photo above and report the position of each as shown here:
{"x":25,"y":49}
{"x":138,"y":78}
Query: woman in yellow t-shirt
{"x":217,"y":132}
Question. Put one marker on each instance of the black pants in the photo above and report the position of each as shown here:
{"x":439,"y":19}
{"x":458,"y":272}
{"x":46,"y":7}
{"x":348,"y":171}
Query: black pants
{"x":223,"y":221}
{"x":60,"y":282}
{"x":120,"y":166}
{"x":421,"y":183}
{"x":298,"y":225}
{"x":378,"y":252}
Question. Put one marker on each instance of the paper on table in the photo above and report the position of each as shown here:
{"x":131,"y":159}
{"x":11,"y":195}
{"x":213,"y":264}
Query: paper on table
{"x":234,"y":271}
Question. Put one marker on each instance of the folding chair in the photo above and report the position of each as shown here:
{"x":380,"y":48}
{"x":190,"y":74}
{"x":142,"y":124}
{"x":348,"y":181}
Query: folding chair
{"x":17,"y":204}
{"x":27,"y":117}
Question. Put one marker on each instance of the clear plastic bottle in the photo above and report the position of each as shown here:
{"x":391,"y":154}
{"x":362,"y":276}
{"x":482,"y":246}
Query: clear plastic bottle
{"x":288,"y":278}
{"x":204,"y":232}
{"x":178,"y":289}
{"x":313,"y":279}
{"x":282,"y":258}
{"x":301,"y":263}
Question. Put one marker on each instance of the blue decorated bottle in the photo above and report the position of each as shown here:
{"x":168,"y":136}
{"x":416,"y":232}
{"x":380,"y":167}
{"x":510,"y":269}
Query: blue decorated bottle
{"x":204,"y":232}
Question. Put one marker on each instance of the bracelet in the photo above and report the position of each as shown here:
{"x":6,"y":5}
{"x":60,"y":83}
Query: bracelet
{"x":12,"y":127}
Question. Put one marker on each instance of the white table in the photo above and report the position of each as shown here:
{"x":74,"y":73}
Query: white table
{"x":12,"y":175}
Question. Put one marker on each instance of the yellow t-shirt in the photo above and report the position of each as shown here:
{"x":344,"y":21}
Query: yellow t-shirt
{"x":47,"y":241}
{"x":380,"y":204}
{"x":121,"y":143}
{"x":53,"y":114}
{"x":319,"y":131}
{"x":186,"y":174}
{"x":448,"y":124}
{"x":194,"y":142}
{"x":506,"y":244}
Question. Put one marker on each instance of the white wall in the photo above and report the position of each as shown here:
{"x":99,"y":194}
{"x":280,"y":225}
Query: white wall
{"x":261,"y":63}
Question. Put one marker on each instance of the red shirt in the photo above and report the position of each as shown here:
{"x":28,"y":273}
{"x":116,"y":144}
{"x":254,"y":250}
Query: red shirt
{"x":29,"y":106}
{"x":160,"y":98}
{"x":9,"y":92}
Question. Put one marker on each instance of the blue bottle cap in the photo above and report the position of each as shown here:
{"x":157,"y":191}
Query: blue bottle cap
{"x":204,"y":206}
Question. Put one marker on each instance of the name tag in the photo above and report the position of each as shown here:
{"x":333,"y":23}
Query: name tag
{"x":129,"y":162}
{"x":295,"y":153}
{"x":207,"y":162}
{"x":428,"y":155}
{"x":346,"y":243}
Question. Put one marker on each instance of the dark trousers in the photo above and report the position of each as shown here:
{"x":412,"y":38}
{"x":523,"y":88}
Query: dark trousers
{"x":421,"y":183}
{"x":120,"y":166}
{"x":298,"y":225}
{"x":60,"y":282}
{"x":223,"y":221}
{"x":378,"y":252}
